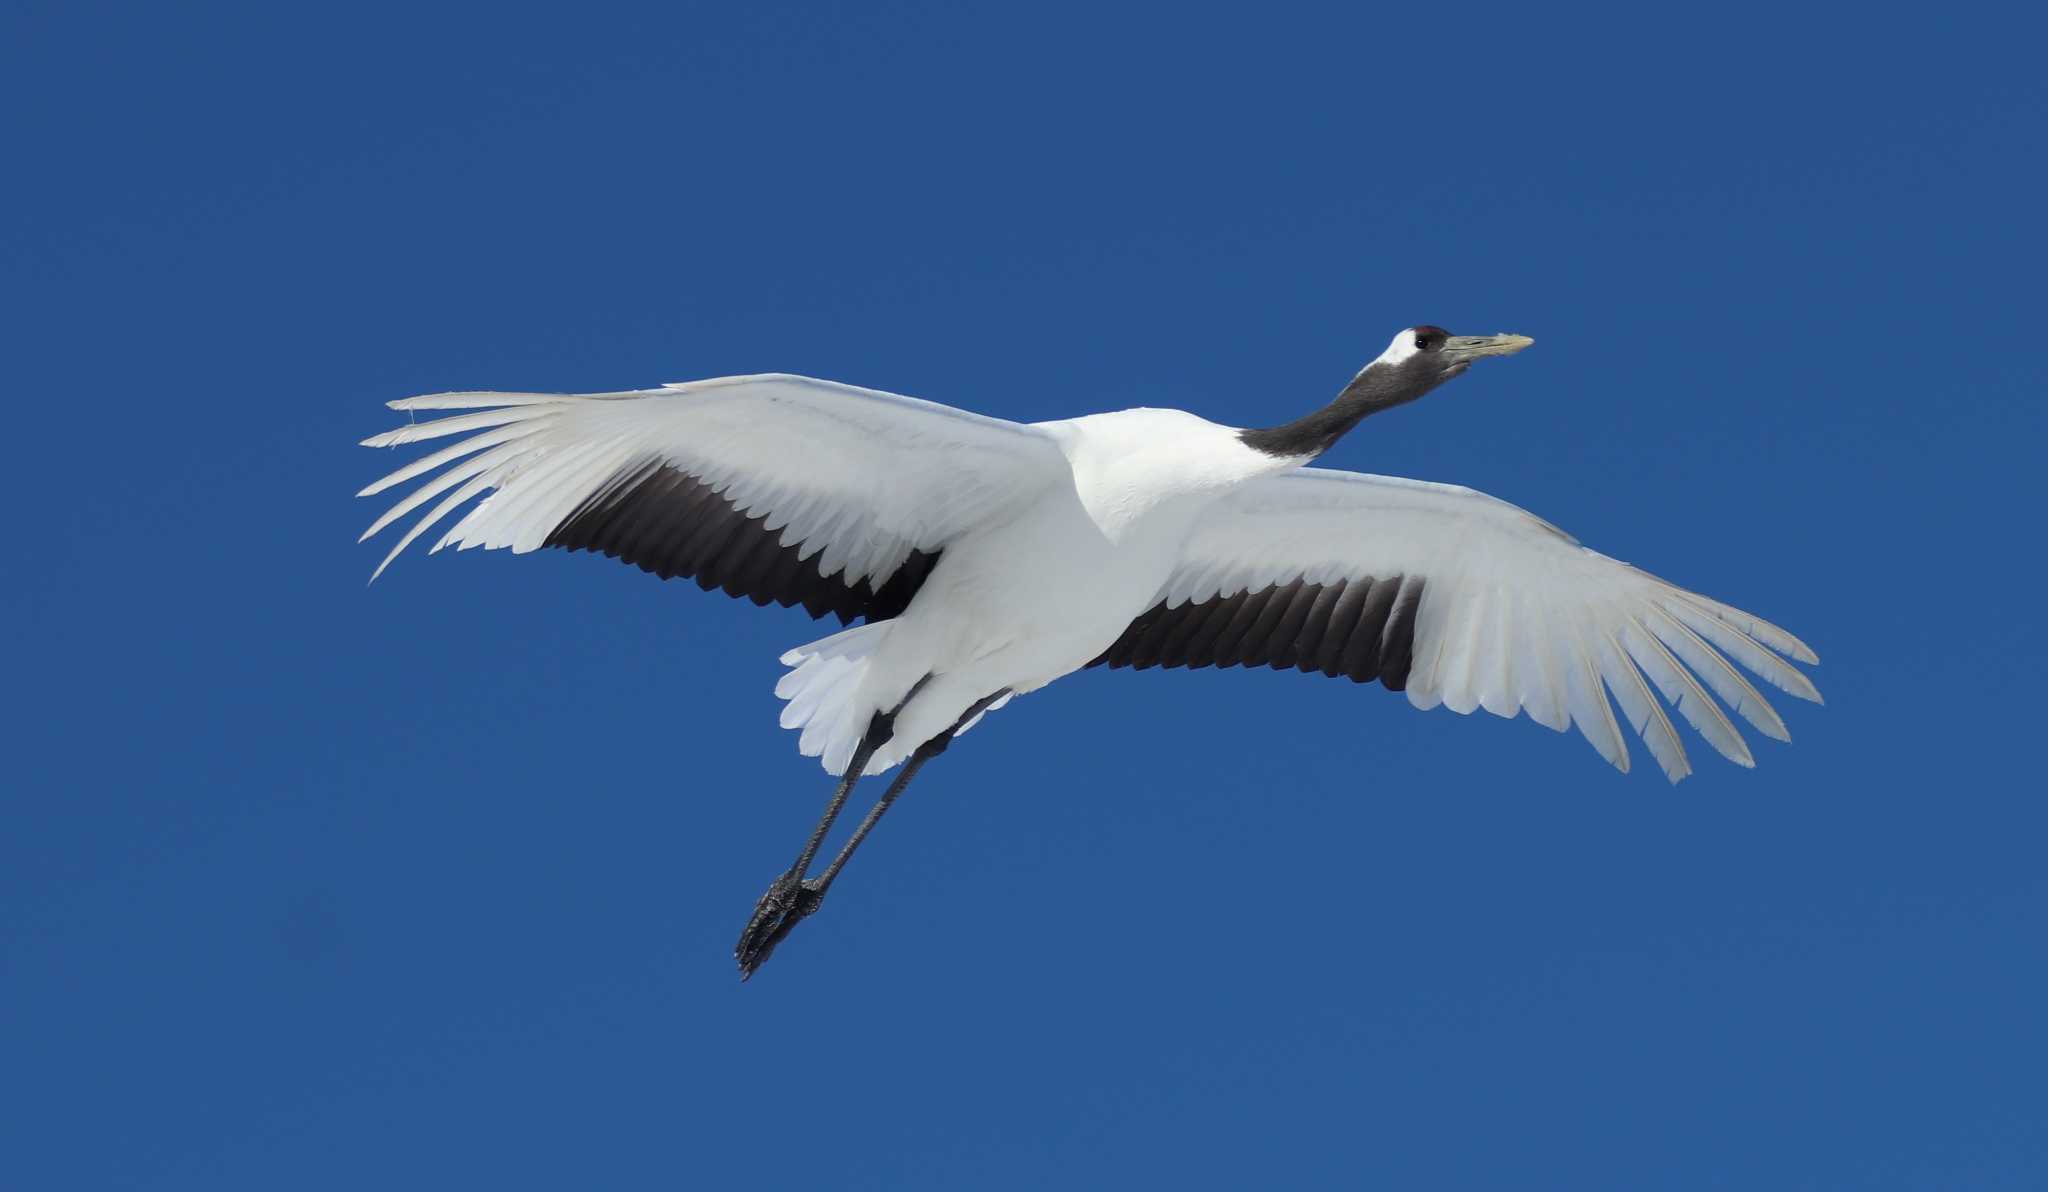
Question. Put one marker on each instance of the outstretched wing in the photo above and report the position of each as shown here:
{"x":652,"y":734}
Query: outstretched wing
{"x":1460,"y":600}
{"x":777,"y":488}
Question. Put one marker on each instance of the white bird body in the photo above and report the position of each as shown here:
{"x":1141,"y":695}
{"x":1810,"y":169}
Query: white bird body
{"x":1038,"y":591}
{"x":988,"y":558}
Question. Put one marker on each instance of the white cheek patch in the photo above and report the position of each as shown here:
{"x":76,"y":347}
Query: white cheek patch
{"x":1400,"y":350}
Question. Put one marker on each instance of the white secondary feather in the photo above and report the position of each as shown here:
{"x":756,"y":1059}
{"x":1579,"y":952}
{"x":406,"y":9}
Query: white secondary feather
{"x":1515,"y":614}
{"x":856,"y":477}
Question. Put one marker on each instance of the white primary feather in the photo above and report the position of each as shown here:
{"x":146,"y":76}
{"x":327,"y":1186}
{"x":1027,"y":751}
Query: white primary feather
{"x":1515,"y":614}
{"x":859,"y":478}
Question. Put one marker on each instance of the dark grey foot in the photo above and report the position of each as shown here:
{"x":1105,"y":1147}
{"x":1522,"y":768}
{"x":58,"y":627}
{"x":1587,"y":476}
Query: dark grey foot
{"x":787,"y":902}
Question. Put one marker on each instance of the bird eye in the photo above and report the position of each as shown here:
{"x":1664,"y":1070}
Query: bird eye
{"x":1428,"y":341}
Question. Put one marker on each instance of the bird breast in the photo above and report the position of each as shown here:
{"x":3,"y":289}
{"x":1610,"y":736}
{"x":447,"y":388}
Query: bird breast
{"x":1145,"y":471}
{"x":1044,"y":590}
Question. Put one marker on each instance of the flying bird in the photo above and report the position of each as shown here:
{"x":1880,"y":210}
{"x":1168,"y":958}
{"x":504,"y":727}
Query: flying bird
{"x":974,"y":559}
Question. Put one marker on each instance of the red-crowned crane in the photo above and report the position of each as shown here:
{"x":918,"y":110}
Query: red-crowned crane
{"x":983,"y":559}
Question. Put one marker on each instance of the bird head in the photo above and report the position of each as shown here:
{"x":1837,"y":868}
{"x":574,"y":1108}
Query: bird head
{"x":1421,"y":358}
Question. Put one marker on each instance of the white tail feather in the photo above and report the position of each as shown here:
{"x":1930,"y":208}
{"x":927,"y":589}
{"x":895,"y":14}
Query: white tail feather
{"x":821,"y":691}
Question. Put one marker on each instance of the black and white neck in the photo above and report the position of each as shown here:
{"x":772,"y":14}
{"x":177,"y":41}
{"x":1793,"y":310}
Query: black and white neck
{"x":1417,"y":361}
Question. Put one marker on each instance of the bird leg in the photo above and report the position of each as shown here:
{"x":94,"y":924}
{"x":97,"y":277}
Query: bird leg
{"x":793,"y":897}
{"x":786,"y":893}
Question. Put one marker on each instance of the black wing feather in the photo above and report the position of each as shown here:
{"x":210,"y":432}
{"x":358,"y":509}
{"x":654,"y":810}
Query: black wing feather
{"x":1362,"y":629}
{"x":673,"y":525}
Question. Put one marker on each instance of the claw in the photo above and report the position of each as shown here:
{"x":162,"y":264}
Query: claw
{"x":785,"y":904}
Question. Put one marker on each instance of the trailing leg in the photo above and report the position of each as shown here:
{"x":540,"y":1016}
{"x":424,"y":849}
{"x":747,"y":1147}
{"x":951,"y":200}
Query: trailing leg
{"x":785,"y":894}
{"x":793,"y":897}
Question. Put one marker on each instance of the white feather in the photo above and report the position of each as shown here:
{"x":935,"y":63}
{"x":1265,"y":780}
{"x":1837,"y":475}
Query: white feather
{"x":1515,"y":614}
{"x":417,"y":432}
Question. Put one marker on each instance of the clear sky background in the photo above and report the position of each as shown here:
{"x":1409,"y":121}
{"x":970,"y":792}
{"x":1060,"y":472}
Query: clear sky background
{"x":434,"y":884}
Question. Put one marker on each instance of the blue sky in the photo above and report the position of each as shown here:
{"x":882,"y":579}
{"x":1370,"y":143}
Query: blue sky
{"x":309,"y":885}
